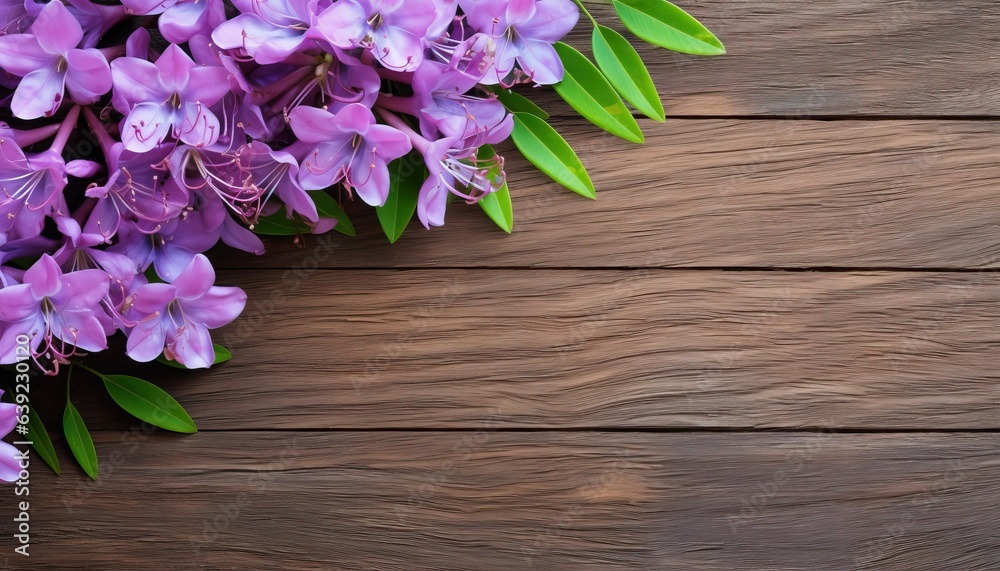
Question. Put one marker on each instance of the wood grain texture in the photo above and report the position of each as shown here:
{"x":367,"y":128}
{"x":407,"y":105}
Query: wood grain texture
{"x":493,"y":500}
{"x":837,"y":57}
{"x":702,"y":193}
{"x":561,"y":349}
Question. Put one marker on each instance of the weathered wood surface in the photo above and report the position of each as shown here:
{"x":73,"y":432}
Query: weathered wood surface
{"x":553,"y":501}
{"x":795,"y":58}
{"x":857,"y":194}
{"x":561,"y":349}
{"x":443,"y":417}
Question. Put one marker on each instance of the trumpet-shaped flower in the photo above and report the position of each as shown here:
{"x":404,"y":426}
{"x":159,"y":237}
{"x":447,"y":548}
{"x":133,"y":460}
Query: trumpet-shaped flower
{"x":349,"y":147}
{"x":393,"y":30}
{"x":175,"y":318}
{"x":169,"y":99}
{"x":524,"y":31}
{"x":58,"y":312}
{"x":49,"y":63}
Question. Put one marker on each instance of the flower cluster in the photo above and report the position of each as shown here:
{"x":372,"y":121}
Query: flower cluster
{"x":247,"y":110}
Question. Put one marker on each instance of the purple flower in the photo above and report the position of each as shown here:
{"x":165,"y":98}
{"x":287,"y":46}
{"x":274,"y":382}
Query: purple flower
{"x":524,"y":31}
{"x":138,"y":188}
{"x":181,"y":20}
{"x":393,"y":30}
{"x":31,"y":188}
{"x":454,"y":167}
{"x":449,"y":104}
{"x":170,"y":98}
{"x":174,"y":319}
{"x":349,"y":147}
{"x":268,"y":31}
{"x":58,"y":312}
{"x":9,"y":455}
{"x":49,"y":64}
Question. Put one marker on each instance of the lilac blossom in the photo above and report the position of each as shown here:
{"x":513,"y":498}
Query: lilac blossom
{"x":349,"y":147}
{"x":169,"y":99}
{"x":181,"y":20}
{"x":49,"y":64}
{"x":56,"y":311}
{"x":241,"y":117}
{"x":268,"y":32}
{"x":175,"y":318}
{"x":391,"y":30}
{"x":524,"y":31}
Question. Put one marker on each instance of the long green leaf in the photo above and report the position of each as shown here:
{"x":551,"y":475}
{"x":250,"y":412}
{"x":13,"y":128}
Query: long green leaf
{"x":623,"y":67}
{"x":221,"y":356}
{"x":547,"y":150}
{"x":406,"y":175}
{"x":41,"y":442}
{"x":517,"y":103}
{"x":586,"y":89}
{"x":497,"y":204}
{"x":328,"y":207}
{"x":148,"y":402}
{"x":661,"y":23}
{"x":79,"y":440}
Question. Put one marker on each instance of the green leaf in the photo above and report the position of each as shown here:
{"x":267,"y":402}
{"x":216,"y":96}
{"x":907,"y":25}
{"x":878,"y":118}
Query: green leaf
{"x":328,"y":207}
{"x":406,"y":176}
{"x":517,"y":103}
{"x":547,"y":150}
{"x":79,"y":440}
{"x":221,"y":356}
{"x":661,"y":23}
{"x":278,"y":224}
{"x":497,"y":204}
{"x":623,"y":67}
{"x":148,"y":402}
{"x":41,"y":442}
{"x":586,"y":89}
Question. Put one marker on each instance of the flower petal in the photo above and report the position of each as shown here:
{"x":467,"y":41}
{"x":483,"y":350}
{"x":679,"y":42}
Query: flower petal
{"x":175,"y":67}
{"x":44,"y":277}
{"x":136,"y":81}
{"x":193,"y":347}
{"x":196,"y":279}
{"x":540,"y":61}
{"x":200,"y":127}
{"x":56,"y":29}
{"x":145,"y":341}
{"x":207,"y":85}
{"x":17,"y":303}
{"x":39,"y":94}
{"x":218,"y":307}
{"x":88,"y":76}
{"x":9,"y":462}
{"x":21,"y":54}
{"x":147,"y":125}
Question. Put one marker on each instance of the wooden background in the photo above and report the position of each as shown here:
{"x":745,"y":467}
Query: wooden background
{"x":770,"y":344}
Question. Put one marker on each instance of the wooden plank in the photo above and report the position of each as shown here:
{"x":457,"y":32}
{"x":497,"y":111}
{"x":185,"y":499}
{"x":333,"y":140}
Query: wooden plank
{"x":854,"y":194}
{"x":839,"y":57}
{"x":561,"y":348}
{"x":494,"y":500}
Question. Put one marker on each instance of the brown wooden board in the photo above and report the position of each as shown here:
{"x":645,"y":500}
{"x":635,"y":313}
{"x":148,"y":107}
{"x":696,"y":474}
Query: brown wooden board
{"x":490,"y":500}
{"x":856,"y":194}
{"x":562,"y":349}
{"x":833,"y":58}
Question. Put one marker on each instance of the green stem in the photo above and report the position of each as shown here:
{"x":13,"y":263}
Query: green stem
{"x":586,"y":12}
{"x":69,"y":376}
